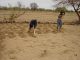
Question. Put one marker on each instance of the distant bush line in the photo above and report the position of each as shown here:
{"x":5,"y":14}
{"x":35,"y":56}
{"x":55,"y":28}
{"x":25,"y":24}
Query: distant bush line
{"x":28,"y":9}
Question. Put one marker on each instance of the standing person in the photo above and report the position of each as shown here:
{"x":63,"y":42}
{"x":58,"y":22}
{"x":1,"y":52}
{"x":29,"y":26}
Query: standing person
{"x":59,"y":21}
{"x":33,"y":25}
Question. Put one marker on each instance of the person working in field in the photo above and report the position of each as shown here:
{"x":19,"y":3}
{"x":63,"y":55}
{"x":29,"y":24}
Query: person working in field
{"x":33,"y":25}
{"x":59,"y":21}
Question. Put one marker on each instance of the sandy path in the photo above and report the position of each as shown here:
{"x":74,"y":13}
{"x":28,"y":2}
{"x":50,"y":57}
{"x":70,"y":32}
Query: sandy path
{"x":49,"y":46}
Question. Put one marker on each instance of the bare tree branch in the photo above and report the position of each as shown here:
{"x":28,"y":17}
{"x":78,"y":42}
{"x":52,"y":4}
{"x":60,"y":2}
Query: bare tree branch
{"x":74,"y":3}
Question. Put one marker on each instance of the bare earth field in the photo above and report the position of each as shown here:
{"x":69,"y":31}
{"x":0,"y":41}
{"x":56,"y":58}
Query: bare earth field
{"x":41,"y":16}
{"x":17,"y":44}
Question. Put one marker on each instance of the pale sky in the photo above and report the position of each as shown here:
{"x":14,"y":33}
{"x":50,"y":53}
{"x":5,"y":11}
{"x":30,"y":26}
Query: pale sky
{"x":41,"y":3}
{"x":47,"y":4}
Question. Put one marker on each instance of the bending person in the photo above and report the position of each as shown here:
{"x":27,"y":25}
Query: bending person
{"x":33,"y":25}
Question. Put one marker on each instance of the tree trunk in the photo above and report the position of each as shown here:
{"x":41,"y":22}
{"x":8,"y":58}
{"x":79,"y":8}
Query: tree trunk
{"x":78,"y":15}
{"x":77,"y":12}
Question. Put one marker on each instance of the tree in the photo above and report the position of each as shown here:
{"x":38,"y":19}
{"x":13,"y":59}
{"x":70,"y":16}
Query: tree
{"x":33,"y":6}
{"x":19,"y":4}
{"x":9,"y":5}
{"x":60,"y":9}
{"x":74,"y":3}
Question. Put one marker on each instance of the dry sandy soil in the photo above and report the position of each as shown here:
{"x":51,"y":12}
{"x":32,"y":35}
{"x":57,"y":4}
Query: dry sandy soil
{"x":17,"y":44}
{"x":41,"y":16}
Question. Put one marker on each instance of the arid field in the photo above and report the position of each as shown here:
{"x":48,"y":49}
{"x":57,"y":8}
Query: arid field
{"x":17,"y":44}
{"x":41,"y":16}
